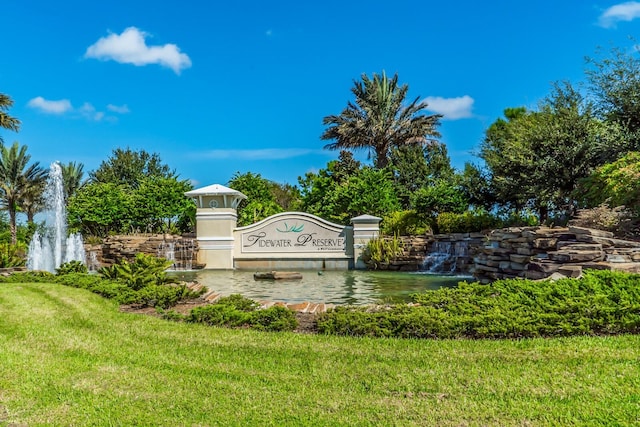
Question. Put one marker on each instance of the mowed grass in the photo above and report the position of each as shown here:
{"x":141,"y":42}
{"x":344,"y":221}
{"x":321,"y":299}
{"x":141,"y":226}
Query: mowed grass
{"x":69,"y":357}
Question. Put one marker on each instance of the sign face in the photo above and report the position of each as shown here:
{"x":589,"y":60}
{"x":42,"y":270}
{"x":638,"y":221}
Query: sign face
{"x":294,"y":234}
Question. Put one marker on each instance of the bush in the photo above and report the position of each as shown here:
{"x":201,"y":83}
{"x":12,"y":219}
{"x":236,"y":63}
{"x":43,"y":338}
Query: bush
{"x":404,"y":223}
{"x":29,"y":277}
{"x":12,"y":255}
{"x":71,"y":267}
{"x":618,"y":220}
{"x":602,"y":302}
{"x":237,"y":311}
{"x":466,"y":222}
{"x":382,"y":250}
{"x":145,"y":270}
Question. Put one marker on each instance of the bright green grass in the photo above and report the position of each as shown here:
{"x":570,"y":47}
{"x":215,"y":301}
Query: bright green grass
{"x":69,"y":357}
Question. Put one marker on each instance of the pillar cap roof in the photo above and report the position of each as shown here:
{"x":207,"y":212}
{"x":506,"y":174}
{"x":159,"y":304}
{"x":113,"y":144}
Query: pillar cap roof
{"x":215,"y":190}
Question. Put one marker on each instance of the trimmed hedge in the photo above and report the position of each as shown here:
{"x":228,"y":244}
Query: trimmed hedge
{"x":602,"y":302}
{"x":236,"y":311}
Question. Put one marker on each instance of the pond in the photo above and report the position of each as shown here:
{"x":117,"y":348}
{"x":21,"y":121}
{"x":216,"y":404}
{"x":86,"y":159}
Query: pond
{"x":331,"y":287}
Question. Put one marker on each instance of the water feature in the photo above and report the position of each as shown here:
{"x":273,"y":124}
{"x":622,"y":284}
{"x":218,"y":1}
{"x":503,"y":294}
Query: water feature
{"x":51,"y":246}
{"x":333,"y":287}
{"x":181,"y":253}
{"x":444,"y":256}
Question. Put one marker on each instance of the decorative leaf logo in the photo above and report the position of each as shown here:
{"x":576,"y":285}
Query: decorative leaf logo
{"x":292,"y":229}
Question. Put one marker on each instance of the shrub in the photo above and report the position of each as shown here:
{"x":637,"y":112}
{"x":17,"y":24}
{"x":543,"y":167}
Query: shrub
{"x":382,"y":250}
{"x":145,"y":270}
{"x":404,"y":223}
{"x":29,"y":277}
{"x":12,"y":255}
{"x":466,"y":222}
{"x":602,"y":302}
{"x":71,"y":267}
{"x":618,"y":220}
{"x":237,"y":311}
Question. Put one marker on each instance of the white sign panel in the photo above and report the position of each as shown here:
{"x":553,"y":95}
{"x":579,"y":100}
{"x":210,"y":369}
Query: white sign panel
{"x":294,"y":234}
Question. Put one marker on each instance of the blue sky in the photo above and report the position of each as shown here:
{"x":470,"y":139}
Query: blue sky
{"x":222,"y":87}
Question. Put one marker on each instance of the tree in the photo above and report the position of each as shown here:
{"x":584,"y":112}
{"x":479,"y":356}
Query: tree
{"x":615,"y":83}
{"x":160,"y":203}
{"x":6,"y":121}
{"x":98,"y":209}
{"x":537,"y":158}
{"x":379,"y":121}
{"x":260,"y":203}
{"x":17,"y":178}
{"x":616,"y":184}
{"x":415,"y":167}
{"x":72,"y":174}
{"x":129,"y":167}
{"x":338,"y":196}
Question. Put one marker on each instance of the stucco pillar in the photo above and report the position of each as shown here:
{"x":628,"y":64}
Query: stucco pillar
{"x":365,"y":228}
{"x":216,"y":218}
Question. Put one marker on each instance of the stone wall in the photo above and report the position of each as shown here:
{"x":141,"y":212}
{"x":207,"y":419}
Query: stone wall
{"x":540,"y":252}
{"x":183,"y":249}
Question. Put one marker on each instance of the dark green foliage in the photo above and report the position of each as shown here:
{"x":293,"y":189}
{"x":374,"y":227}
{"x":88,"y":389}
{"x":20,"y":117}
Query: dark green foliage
{"x":145,"y":270}
{"x":338,"y":194}
{"x":404,"y":223}
{"x":466,"y":222}
{"x":131,"y":191}
{"x":71,"y":267}
{"x":261,"y":200}
{"x":602,"y":302}
{"x":100,"y":209}
{"x":615,"y":183}
{"x":129,"y":168}
{"x":380,"y":119}
{"x":12,"y":255}
{"x":442,"y":196}
{"x":29,"y":277}
{"x":237,"y":311}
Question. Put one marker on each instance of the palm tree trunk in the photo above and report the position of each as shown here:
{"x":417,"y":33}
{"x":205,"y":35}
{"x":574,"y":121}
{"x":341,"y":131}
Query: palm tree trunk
{"x":12,"y":224}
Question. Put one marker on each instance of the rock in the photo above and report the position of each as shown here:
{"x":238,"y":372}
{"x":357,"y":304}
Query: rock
{"x":575,"y":256}
{"x":277,"y":275}
{"x":570,"y":270}
{"x":590,"y":231}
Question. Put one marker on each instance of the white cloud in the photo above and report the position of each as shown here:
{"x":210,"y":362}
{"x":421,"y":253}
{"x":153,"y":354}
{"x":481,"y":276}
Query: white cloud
{"x":620,"y":12}
{"x":64,"y":106}
{"x":451,"y":108}
{"x":120,"y":109}
{"x":260,"y":154}
{"x":130,"y":48}
{"x":53,"y":107}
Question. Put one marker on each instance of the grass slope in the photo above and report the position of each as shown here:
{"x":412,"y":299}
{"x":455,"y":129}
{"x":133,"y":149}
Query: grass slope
{"x":69,"y":357}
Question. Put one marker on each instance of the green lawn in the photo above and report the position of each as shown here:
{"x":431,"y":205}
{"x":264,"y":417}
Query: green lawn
{"x":69,"y":357}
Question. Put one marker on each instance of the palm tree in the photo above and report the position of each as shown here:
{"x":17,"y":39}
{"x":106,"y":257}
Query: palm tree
{"x":6,"y":121}
{"x":72,"y":181}
{"x":16,"y":179}
{"x":378,"y":120}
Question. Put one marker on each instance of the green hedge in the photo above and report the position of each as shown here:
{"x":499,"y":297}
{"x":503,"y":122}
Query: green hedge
{"x":602,"y":302}
{"x":236,"y":311}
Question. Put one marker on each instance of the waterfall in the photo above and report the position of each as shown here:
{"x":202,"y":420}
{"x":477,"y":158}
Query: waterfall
{"x":50,"y":247}
{"x":180,"y":253}
{"x":444,"y":256}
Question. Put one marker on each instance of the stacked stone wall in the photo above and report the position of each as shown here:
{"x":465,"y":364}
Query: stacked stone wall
{"x":115,"y":248}
{"x":540,"y":252}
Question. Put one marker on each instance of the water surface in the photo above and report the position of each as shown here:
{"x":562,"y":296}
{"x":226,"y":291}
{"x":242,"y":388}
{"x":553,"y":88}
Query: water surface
{"x":333,"y":287}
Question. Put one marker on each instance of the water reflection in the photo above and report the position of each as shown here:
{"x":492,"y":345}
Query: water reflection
{"x":334,"y":287}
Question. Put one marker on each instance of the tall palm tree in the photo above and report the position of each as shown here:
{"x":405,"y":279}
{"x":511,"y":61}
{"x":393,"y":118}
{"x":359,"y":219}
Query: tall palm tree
{"x":72,"y":174}
{"x":16,"y":177}
{"x":379,"y":121}
{"x":6,"y":121}
{"x":33,"y":199}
